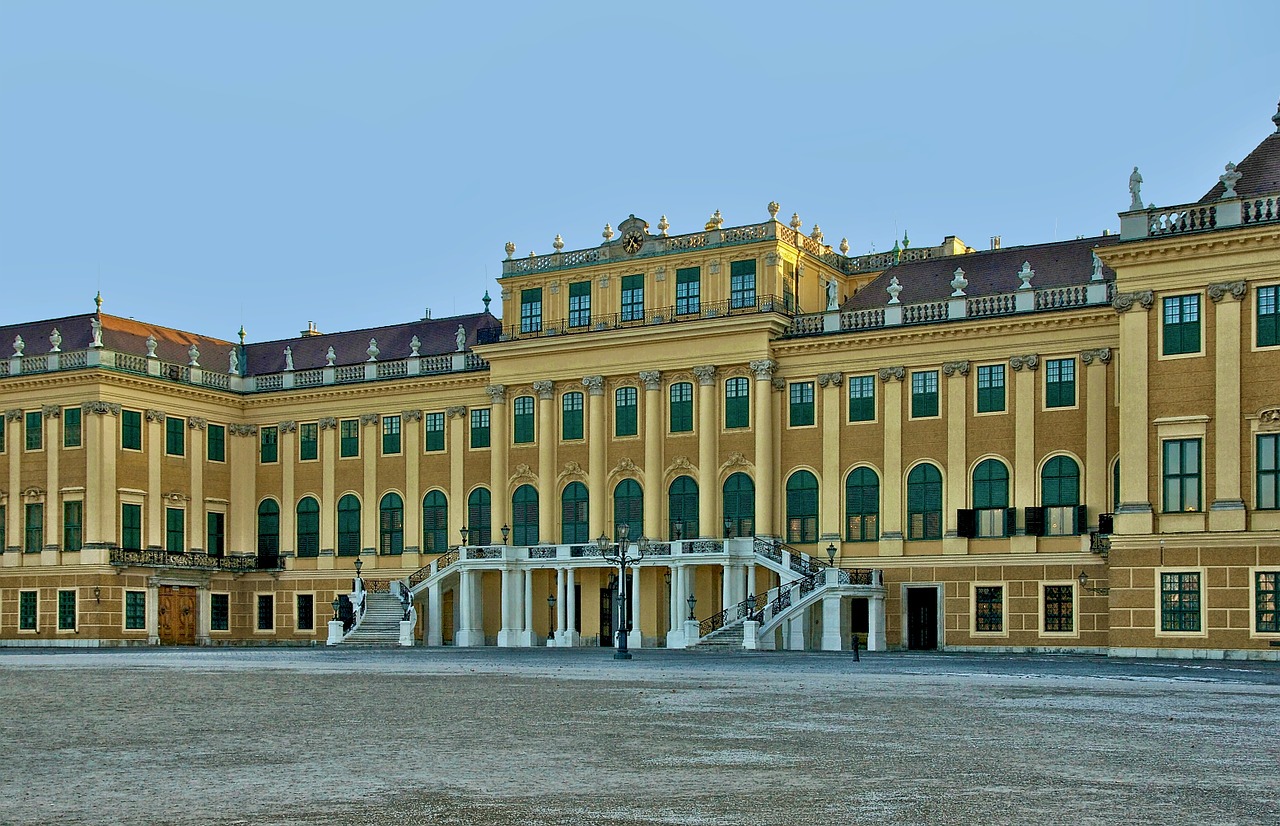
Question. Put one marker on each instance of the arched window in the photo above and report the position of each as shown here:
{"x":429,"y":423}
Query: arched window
{"x":739,"y":505}
{"x":308,"y":527}
{"x":991,"y":498}
{"x":1060,"y":497}
{"x":682,"y":508}
{"x":862,"y":506}
{"x":479,"y":517}
{"x":924,"y":503}
{"x":268,"y":528}
{"x":524,"y":516}
{"x":349,"y":525}
{"x":802,"y":507}
{"x":435,"y":523}
{"x":628,"y":508}
{"x":391,"y":524}
{"x":573,"y":514}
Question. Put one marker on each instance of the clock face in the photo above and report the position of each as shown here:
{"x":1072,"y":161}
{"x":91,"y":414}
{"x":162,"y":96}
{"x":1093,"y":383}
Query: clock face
{"x":633,"y":241}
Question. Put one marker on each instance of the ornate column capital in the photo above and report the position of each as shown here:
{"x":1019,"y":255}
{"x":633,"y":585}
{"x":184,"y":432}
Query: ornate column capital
{"x":953,"y":367}
{"x":197,"y":422}
{"x":1236,"y":289}
{"x":890,"y":373}
{"x":763,"y":368}
{"x":778,"y":383}
{"x":652,"y":379}
{"x":100,"y":408}
{"x":594,"y":385}
{"x":328,"y":423}
{"x":455,"y":412}
{"x":288,"y":427}
{"x":411,"y":415}
{"x":1031,"y":361}
{"x":497,"y":393}
{"x":1123,"y":302}
{"x":51,"y":411}
{"x":13,"y":415}
{"x":242,"y":429}
{"x":832,"y":379}
{"x":367,"y":419}
{"x":544,"y":389}
{"x":704,"y":373}
{"x":1102,"y":354}
{"x":155,"y":415}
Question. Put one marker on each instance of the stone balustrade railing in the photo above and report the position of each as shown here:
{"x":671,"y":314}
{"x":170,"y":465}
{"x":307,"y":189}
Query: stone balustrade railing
{"x":1226,"y":213}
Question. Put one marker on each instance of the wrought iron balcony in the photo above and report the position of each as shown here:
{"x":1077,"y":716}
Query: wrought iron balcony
{"x":124,"y":558}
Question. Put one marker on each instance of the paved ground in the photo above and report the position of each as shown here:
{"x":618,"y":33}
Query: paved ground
{"x":448,"y":736}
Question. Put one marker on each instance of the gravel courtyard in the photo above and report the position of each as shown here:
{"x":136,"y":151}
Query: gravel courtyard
{"x":510,"y":736}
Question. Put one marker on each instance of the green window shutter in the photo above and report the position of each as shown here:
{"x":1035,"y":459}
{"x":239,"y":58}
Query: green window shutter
{"x":216,"y":443}
{"x":480,"y":427}
{"x":131,"y":527}
{"x":523,"y":431}
{"x":924,"y":394}
{"x":682,"y":508}
{"x":72,"y":526}
{"x":34,"y":534}
{"x":800,"y":410}
{"x":524,"y":516}
{"x":624,"y":412}
{"x":435,"y":523}
{"x":135,"y":610}
{"x":531,"y":310}
{"x":308,"y":527}
{"x":309,"y":441}
{"x":573,"y":513}
{"x":391,"y":525}
{"x":571,"y":416}
{"x":1181,"y":325}
{"x":71,"y":430}
{"x":434,"y":423}
{"x":990,"y":485}
{"x":862,"y":506}
{"x":269,"y":445}
{"x":739,"y":505}
{"x":268,"y":528}
{"x":215,"y":533}
{"x":737,"y":403}
{"x":802,"y":507}
{"x":349,"y":526}
{"x":1268,"y":316}
{"x":175,"y":535}
{"x":991,"y":388}
{"x":632,"y":298}
{"x":681,"y":407}
{"x":27,"y":610}
{"x":628,"y":507}
{"x":1181,"y":472}
{"x":349,"y":438}
{"x":175,"y":436}
{"x":390,"y":435}
{"x":35,"y":431}
{"x":924,"y":503}
{"x":479,"y":517}
{"x":2,"y":434}
{"x":580,"y":304}
{"x":862,"y":398}
{"x":131,"y":429}
{"x":1060,"y":383}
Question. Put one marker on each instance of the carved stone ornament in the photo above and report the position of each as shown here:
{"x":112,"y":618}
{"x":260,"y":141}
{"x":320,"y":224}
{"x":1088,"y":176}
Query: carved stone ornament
{"x":1025,"y":275}
{"x":894,"y":290}
{"x":18,"y":346}
{"x":523,"y":471}
{"x":953,"y":367}
{"x":55,"y":341}
{"x":329,"y":357}
{"x":626,"y":466}
{"x":151,"y":347}
{"x":193,"y":356}
{"x":763,"y":368}
{"x":652,"y":379}
{"x":544,"y":389}
{"x":704,"y":373}
{"x":1269,"y":419}
{"x":1123,"y":302}
{"x":890,"y":373}
{"x":1031,"y":361}
{"x":415,"y":344}
{"x":411,"y":415}
{"x":367,"y":419}
{"x":155,"y":415}
{"x":288,"y":427}
{"x":573,"y":469}
{"x":681,"y":463}
{"x":197,"y":423}
{"x":832,"y":379}
{"x":372,"y":349}
{"x":328,"y":423}
{"x":1102,"y":354}
{"x":594,"y":385}
{"x":455,"y":412}
{"x":736,"y":459}
{"x":497,"y":393}
{"x":101,"y":408}
{"x":51,"y":411}
{"x":1236,"y":289}
{"x":778,"y":383}
{"x":13,"y":415}
{"x":242,"y":429}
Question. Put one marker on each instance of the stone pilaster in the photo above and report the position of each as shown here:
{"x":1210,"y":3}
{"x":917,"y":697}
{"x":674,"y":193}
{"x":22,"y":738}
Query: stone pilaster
{"x":708,"y":447}
{"x":499,"y":444}
{"x":597,"y":444}
{"x":653,"y":438}
{"x":1134,"y":515}
{"x":1095,"y":413}
{"x":892,"y":379}
{"x":1024,"y":442}
{"x":957,"y":376}
{"x":829,"y":509}
{"x":1227,"y":511}
{"x":548,"y":507}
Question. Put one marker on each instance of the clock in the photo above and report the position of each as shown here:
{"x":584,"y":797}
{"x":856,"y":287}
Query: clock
{"x":632,"y":242}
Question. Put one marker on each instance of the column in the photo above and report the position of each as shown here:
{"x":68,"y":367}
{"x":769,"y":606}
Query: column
{"x":1025,"y":373}
{"x":288,"y":455}
{"x":242,"y":513}
{"x":1134,"y":515}
{"x":548,"y":506}
{"x":498,"y":445}
{"x":101,"y":428}
{"x":155,"y":447}
{"x":456,"y":418}
{"x":370,"y":433}
{"x":435,"y":616}
{"x":653,"y":438}
{"x":726,"y":586}
{"x":708,"y":450}
{"x":506,"y":635}
{"x":464,"y":635}
{"x":957,"y":373}
{"x":766,"y":488}
{"x":751,"y":578}
{"x":831,"y":638}
{"x":528,"y":637}
{"x":1226,"y":511}
{"x":1095,"y":414}
{"x":891,"y":485}
{"x":598,"y":440}
{"x":328,"y":493}
{"x":829,"y":488}
{"x":562,"y":607}
{"x":571,"y":610}
{"x":411,"y":432}
{"x":635,"y":637}
{"x":675,"y":636}
{"x":795,"y":631}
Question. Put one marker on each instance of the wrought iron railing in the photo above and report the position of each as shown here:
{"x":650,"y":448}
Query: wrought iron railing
{"x":123,"y":558}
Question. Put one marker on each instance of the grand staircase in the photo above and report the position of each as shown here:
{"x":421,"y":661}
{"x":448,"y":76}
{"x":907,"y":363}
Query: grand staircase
{"x":380,"y":624}
{"x":722,"y":640}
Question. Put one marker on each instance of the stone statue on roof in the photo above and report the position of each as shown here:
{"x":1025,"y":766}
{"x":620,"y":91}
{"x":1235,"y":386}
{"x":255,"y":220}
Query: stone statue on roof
{"x":460,"y":338}
{"x":833,"y":302}
{"x":1135,"y":190}
{"x":194,"y":355}
{"x":233,"y":362}
{"x":97,"y":331}
{"x":329,"y":358}
{"x":55,"y":341}
{"x":18,"y":346}
{"x":288,"y":358}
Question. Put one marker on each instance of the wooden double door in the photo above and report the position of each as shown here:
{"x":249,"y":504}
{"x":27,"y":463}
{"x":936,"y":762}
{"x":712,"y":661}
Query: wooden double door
{"x":177,"y":616}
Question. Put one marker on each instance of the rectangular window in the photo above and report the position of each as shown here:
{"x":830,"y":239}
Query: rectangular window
{"x":633,"y":298}
{"x":571,"y":416}
{"x":216,"y":443}
{"x":390,"y":435}
{"x":135,"y":610}
{"x":2,"y":435}
{"x":435,"y":431}
{"x":988,"y":601}
{"x":34,"y":540}
{"x":480,"y":427}
{"x":175,"y":437}
{"x":309,"y":441}
{"x":1181,"y":325}
{"x":35,"y":431}
{"x":72,"y":525}
{"x":266,"y":612}
{"x":131,"y":527}
{"x":924,"y":394}
{"x":523,"y":410}
{"x":4,"y":536}
{"x":215,"y":533}
{"x":862,"y":398}
{"x":131,"y":429}
{"x":688,"y":290}
{"x":1268,"y":481}
{"x":624,"y":411}
{"x":72,"y":434}
{"x":742,"y":284}
{"x":1181,"y":475}
{"x":580,"y":304}
{"x":175,"y":530}
{"x":737,"y":403}
{"x":269,"y":445}
{"x":1059,"y":613}
{"x":990,"y":388}
{"x":800,"y":411}
{"x":531,"y":310}
{"x":66,"y":610}
{"x":348,"y":438}
{"x":1180,"y":601}
{"x":1060,"y":383}
{"x":681,"y":407}
{"x":28,"y":603}
{"x":1268,"y":317}
{"x":306,"y":612}
{"x":219,"y":612}
{"x":1266,"y":602}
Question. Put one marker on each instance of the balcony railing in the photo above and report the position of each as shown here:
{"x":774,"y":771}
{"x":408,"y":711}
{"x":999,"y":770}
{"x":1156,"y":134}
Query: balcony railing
{"x":1185,"y":219}
{"x":124,"y":558}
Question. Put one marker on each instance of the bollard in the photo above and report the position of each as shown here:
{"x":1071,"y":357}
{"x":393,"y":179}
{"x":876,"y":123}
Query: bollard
{"x":856,"y":657}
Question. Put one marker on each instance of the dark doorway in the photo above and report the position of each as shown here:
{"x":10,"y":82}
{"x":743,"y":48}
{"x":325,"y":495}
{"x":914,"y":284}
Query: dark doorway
{"x":922,"y":619}
{"x":858,"y":616}
{"x":606,"y":617}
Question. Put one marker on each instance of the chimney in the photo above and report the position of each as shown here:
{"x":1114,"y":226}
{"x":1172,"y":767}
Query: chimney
{"x":995,"y":242}
{"x":426,"y":315}
{"x":310,"y":331}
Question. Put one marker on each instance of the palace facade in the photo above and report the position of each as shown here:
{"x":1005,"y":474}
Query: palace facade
{"x":1064,"y":446}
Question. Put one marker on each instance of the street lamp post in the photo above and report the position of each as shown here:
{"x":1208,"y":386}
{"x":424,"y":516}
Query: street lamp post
{"x":551,"y":617}
{"x":615,"y":553}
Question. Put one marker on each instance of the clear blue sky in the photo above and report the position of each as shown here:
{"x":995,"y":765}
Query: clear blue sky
{"x":212,"y":163}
